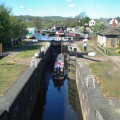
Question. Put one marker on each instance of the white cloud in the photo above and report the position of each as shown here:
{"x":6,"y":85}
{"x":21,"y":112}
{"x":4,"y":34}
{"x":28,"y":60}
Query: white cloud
{"x":21,"y":7}
{"x":69,"y":0}
{"x":29,"y":9}
{"x":72,"y":5}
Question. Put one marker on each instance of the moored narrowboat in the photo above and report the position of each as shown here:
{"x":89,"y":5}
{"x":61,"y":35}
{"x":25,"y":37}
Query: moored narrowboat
{"x":59,"y":67}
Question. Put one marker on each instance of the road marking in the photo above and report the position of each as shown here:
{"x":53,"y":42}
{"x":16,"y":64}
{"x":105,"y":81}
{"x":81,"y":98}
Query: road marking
{"x":90,"y":77}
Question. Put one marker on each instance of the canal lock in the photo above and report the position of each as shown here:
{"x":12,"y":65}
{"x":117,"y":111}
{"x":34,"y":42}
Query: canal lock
{"x":58,"y":99}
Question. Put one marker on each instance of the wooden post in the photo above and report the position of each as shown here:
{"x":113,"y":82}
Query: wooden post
{"x":1,"y":50}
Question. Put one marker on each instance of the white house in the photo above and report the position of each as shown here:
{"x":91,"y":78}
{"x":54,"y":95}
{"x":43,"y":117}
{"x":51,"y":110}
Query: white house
{"x":92,"y":22}
{"x":113,"y":21}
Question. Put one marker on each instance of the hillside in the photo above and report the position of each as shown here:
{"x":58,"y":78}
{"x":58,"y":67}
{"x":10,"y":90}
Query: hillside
{"x":43,"y":22}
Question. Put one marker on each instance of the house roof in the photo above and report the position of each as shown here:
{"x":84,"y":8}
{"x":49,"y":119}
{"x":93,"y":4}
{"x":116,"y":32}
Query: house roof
{"x":114,"y":31}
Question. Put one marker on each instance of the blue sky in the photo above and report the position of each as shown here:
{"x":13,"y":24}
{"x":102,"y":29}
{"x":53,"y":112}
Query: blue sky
{"x":93,"y":8}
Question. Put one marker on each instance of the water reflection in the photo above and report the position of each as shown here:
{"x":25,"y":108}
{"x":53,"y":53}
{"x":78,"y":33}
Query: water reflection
{"x":58,"y":83}
{"x":57,"y":100}
{"x":54,"y":108}
{"x":74,"y":98}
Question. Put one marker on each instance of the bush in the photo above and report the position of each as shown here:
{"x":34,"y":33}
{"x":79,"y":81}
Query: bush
{"x":118,"y":51}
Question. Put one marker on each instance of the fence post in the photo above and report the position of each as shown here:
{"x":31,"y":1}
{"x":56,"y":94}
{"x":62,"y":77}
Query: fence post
{"x":1,"y":50}
{"x":106,"y":51}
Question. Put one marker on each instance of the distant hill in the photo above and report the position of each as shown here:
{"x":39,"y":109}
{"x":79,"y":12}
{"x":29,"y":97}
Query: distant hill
{"x":44,"y":22}
{"x":27,"y":18}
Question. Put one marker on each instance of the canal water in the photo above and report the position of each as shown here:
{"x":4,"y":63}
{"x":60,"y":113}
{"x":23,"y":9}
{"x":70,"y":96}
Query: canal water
{"x":58,"y":100}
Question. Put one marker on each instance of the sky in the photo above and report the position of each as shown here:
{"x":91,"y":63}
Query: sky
{"x":65,"y":8}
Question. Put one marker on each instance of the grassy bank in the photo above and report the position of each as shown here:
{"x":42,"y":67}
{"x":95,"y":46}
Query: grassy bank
{"x":112,"y":52}
{"x":107,"y":78}
{"x":12,"y":66}
{"x":29,"y":52}
{"x":8,"y":75}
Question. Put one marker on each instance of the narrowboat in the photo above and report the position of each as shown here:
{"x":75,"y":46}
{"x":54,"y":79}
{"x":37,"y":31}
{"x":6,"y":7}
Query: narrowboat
{"x":59,"y":67}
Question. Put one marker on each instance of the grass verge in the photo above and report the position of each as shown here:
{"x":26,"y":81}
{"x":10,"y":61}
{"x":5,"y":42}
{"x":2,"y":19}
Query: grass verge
{"x":112,"y":52}
{"x":8,"y":75}
{"x":29,"y":52}
{"x":11,"y":67}
{"x":108,"y":79}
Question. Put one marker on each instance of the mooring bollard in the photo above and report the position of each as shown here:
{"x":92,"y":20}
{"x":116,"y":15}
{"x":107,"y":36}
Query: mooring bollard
{"x":34,"y":62}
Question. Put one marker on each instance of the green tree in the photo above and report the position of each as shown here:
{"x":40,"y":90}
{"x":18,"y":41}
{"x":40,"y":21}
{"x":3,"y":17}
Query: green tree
{"x":98,"y":27}
{"x":4,"y":25}
{"x":81,"y":15}
{"x":10,"y":27}
{"x":85,"y":21}
{"x":82,"y":19}
{"x":37,"y":23}
{"x":18,"y":29}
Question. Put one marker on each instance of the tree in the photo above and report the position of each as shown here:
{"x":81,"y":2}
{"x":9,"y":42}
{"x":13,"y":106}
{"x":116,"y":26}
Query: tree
{"x":81,"y":15}
{"x":10,"y":27}
{"x":98,"y":27}
{"x":85,"y":21}
{"x":82,"y":19}
{"x":37,"y":23}
{"x":4,"y":25}
{"x":70,"y":22}
{"x":18,"y":29}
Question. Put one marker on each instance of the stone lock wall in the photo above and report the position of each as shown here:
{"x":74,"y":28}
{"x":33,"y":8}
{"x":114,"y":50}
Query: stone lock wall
{"x":18,"y":102}
{"x":88,"y":111}
{"x":93,"y":103}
